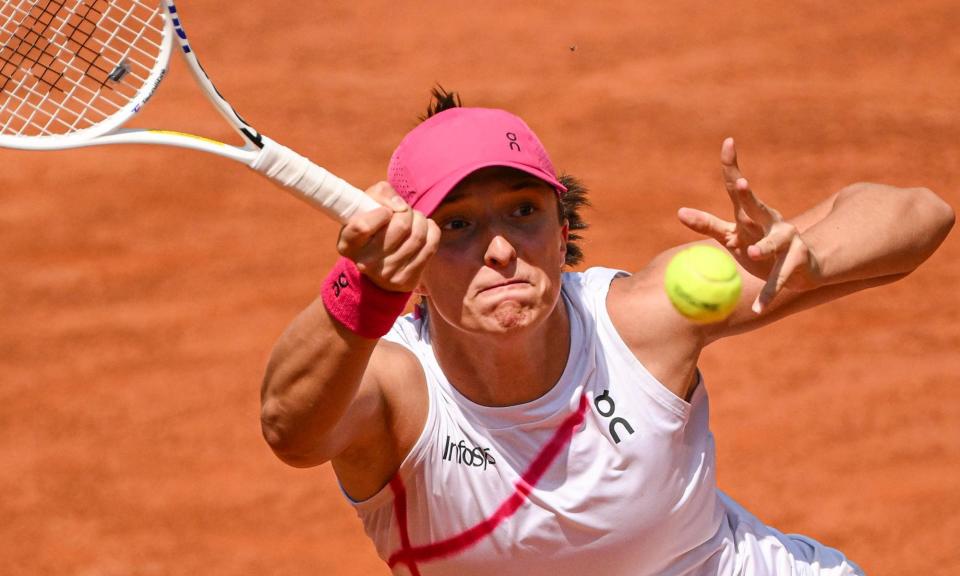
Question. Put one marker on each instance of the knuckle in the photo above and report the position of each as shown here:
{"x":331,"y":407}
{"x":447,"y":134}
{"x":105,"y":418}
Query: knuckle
{"x":360,"y":227}
{"x":433,"y":231}
{"x":386,"y":269}
{"x":420,"y":232}
{"x":384,"y":193}
{"x":342,"y":240}
{"x":347,"y":244}
{"x":367,"y":224}
{"x":379,"y":189}
{"x":401,"y":223}
{"x":431,"y":248}
{"x":387,"y":188}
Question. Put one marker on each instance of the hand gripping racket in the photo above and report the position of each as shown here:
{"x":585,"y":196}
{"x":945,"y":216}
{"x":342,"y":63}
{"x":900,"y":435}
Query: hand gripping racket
{"x":72,"y":72}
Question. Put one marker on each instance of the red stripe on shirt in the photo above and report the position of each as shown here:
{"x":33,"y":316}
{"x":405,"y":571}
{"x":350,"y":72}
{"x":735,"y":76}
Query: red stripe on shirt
{"x":529,"y":479}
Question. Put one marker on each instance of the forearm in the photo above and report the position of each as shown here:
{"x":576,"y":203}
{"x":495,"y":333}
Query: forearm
{"x":311,"y":381}
{"x":874,"y":231}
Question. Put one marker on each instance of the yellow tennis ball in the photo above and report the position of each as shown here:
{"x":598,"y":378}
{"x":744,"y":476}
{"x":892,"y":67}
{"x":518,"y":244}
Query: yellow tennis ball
{"x":703,"y":283}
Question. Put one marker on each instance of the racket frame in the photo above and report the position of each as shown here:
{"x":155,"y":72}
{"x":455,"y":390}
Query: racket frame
{"x":306,"y":180}
{"x":109,"y":131}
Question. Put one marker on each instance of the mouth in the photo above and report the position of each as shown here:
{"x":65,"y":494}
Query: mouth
{"x":505,"y":285}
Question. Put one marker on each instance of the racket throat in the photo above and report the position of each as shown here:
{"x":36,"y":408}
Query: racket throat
{"x":253,"y":136}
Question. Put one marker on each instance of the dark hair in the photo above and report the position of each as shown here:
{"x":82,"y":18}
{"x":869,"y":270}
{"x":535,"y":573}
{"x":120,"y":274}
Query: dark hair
{"x":570,"y":203}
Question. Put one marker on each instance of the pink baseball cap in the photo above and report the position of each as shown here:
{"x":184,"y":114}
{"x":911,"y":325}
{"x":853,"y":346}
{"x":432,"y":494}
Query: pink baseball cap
{"x":450,"y":145}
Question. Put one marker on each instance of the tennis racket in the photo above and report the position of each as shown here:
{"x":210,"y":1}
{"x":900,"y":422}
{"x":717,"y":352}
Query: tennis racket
{"x":73,"y":72}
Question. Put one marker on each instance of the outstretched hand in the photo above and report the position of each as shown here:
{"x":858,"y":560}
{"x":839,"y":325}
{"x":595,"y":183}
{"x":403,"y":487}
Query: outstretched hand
{"x":765,"y":245}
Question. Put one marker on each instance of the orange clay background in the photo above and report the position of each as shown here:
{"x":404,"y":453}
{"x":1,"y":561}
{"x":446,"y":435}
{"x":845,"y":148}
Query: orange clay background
{"x":141,"y":289}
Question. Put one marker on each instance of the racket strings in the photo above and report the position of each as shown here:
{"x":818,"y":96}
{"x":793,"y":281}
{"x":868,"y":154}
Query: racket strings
{"x":66,"y":65}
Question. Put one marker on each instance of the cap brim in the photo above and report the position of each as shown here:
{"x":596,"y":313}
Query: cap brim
{"x":433,"y":197}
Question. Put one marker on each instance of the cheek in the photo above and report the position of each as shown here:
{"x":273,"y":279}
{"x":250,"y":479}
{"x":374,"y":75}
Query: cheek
{"x":443,"y":279}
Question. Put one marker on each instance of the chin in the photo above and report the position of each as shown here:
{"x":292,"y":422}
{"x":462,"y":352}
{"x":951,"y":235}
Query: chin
{"x":511,"y":317}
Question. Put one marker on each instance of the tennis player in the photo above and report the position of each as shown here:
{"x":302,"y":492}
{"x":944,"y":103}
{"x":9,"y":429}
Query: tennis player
{"x":529,"y":420}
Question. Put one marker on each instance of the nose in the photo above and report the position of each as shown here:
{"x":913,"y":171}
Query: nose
{"x":500,"y":252}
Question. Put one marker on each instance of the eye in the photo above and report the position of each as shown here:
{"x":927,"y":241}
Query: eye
{"x":525,"y":209}
{"x":454,"y":224}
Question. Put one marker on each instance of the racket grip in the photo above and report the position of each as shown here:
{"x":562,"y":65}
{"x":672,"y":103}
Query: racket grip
{"x":333,"y":195}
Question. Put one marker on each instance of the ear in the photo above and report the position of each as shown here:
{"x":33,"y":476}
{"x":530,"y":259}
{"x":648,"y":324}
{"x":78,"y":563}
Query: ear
{"x":421,"y":290}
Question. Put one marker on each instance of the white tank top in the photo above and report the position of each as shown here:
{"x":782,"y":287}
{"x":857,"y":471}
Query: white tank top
{"x":608,"y":473}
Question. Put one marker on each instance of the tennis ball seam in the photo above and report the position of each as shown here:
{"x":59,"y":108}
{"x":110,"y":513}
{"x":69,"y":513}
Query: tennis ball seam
{"x":697,"y":294}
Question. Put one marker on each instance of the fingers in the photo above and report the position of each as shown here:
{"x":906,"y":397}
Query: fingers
{"x":783,"y":243}
{"x":753,"y":217}
{"x":359,"y":230}
{"x":728,"y":165}
{"x":753,"y":207}
{"x":390,"y":245}
{"x":416,"y":265}
{"x":394,"y":264}
{"x":795,"y":258}
{"x":739,"y":188}
{"x":777,"y":241}
{"x":384,"y":193}
{"x":770,"y":288}
{"x":707,"y":224}
{"x":733,"y":179}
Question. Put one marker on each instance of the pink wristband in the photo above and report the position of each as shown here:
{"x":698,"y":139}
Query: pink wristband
{"x":360,"y":305}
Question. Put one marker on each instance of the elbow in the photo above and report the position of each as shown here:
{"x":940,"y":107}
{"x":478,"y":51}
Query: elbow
{"x":938,"y":213}
{"x":272,"y":428}
{"x":948,"y":215}
{"x":286,"y":445}
{"x":935,"y":218}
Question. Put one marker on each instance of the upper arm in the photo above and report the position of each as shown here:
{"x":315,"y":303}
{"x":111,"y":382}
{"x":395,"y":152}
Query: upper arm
{"x":663,"y":341}
{"x":383,"y":423}
{"x":379,"y":425}
{"x":327,"y":391}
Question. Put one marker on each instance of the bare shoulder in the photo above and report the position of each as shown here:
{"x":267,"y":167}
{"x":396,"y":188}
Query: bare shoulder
{"x":662,"y":340}
{"x":395,"y":403}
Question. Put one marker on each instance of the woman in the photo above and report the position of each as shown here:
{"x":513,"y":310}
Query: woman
{"x":527,"y":420}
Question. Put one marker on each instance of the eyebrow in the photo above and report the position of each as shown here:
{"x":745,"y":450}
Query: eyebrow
{"x":522,"y":183}
{"x":529,"y":181}
{"x":453,"y":197}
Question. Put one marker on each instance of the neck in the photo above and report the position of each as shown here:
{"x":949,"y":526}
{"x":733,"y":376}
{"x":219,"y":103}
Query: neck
{"x":504,"y":369}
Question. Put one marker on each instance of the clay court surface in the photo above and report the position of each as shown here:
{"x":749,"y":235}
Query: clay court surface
{"x":141,"y":290}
